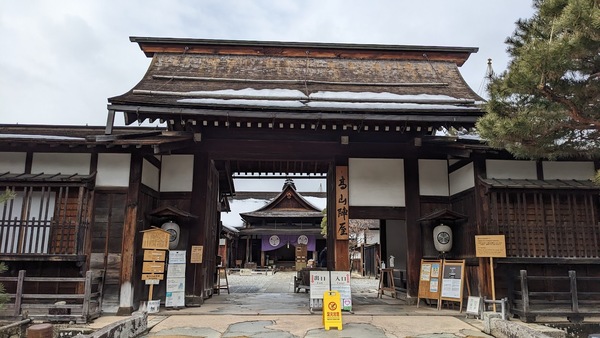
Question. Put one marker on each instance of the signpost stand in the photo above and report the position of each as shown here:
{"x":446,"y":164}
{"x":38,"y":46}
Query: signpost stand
{"x":155,"y":242}
{"x":491,"y":246}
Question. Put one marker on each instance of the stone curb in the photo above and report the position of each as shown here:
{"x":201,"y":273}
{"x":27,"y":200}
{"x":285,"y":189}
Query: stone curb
{"x":132,"y":326}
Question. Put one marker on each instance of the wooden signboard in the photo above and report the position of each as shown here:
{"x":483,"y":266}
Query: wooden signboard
{"x":453,"y":273}
{"x":154,"y":255}
{"x":196,"y":254}
{"x":155,"y":239}
{"x":342,"y":203}
{"x":153,"y":267}
{"x":429,"y":280}
{"x":157,"y":276}
{"x":490,"y":246}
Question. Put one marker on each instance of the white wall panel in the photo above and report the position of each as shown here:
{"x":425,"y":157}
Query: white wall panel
{"x":462,"y":179}
{"x":12,"y":162}
{"x":433,"y":177}
{"x":502,"y":169}
{"x":113,"y":170}
{"x":150,"y":175}
{"x":376,"y":182}
{"x":177,"y":173}
{"x":64,"y":163}
{"x":568,"y":170}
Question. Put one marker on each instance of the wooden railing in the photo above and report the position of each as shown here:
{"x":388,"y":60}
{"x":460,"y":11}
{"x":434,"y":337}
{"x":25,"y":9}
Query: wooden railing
{"x":79,"y":307}
{"x":556,"y":296}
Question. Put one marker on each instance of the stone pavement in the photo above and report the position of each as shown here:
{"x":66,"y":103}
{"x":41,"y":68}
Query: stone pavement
{"x":266,"y":306}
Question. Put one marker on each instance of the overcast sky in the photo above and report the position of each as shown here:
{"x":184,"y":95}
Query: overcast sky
{"x":62,"y":59}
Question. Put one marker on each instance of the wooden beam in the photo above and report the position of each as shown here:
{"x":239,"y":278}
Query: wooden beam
{"x":110,"y":122}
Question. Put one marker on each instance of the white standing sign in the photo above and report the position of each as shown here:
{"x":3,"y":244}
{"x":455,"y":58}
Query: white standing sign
{"x":175,"y":293}
{"x":323,"y":281}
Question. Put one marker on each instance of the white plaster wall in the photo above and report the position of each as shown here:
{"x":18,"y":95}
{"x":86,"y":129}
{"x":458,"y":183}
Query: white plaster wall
{"x":462,"y":179}
{"x":433,"y":177}
{"x":64,"y":163}
{"x":113,"y":170}
{"x":502,"y":169}
{"x":376,"y":182}
{"x":150,"y":175}
{"x":177,"y":173}
{"x":568,"y":170}
{"x":12,"y":162}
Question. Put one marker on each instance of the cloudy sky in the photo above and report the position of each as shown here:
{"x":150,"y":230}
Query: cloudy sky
{"x":62,"y":59}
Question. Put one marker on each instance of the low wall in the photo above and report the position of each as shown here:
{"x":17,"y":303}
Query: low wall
{"x":129,"y":327}
{"x":500,"y":328}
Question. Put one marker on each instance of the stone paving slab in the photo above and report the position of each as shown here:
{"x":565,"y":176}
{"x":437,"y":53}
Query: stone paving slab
{"x":311,"y":326}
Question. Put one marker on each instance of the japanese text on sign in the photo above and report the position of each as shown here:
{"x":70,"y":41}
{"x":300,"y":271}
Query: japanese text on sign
{"x":341,"y":203}
{"x":490,"y":246}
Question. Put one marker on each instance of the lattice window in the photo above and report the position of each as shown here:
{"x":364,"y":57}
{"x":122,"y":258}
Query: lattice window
{"x":44,"y":219}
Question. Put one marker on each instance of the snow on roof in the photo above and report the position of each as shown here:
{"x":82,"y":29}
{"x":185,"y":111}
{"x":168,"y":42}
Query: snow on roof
{"x":41,"y":137}
{"x":289,"y":98}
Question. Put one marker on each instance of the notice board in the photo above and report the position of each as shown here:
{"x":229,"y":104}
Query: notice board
{"x":429,"y":279}
{"x":453,"y":273}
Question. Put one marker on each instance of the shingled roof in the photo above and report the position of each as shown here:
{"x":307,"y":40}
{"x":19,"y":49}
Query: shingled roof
{"x":245,"y":80}
{"x":288,"y":204}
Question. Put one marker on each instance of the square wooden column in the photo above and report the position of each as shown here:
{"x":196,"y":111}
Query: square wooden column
{"x":413,"y":229}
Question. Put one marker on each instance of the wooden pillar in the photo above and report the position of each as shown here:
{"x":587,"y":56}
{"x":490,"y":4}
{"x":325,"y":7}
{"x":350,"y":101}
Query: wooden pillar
{"x":481,"y":213}
{"x":413,"y":229}
{"x":130,"y":231}
{"x":195,"y":274}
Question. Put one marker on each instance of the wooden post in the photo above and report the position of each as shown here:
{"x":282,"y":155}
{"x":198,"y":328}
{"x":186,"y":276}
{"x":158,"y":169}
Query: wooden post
{"x":524,"y":293}
{"x":493,"y":282}
{"x":19,"y":294}
{"x":150,"y":292}
{"x":87,"y":294}
{"x":574,"y":296}
{"x":130,"y":228}
{"x":413,"y":228}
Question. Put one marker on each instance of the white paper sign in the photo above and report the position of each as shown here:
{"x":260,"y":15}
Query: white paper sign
{"x":173,"y":299}
{"x":175,"y":270}
{"x":175,"y":284}
{"x":177,"y":257}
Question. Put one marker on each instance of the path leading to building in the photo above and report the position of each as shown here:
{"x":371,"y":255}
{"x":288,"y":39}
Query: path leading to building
{"x":267,"y":306}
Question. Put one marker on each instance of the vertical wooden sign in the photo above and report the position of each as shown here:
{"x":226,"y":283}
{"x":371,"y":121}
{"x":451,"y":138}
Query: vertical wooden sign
{"x":342,"y":230}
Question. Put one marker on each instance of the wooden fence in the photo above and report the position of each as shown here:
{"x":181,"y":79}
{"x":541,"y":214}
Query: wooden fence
{"x":556,"y":296}
{"x":78,"y":307}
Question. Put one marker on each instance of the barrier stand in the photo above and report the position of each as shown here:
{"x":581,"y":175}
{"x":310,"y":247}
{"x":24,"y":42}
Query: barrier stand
{"x":332,"y":310}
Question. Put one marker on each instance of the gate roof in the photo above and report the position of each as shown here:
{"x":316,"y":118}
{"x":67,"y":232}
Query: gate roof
{"x":228,"y":82}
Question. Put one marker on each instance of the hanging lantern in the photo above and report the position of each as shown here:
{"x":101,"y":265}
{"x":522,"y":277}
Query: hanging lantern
{"x":442,"y":238}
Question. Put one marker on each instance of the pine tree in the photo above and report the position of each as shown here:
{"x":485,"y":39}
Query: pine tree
{"x":547,"y":103}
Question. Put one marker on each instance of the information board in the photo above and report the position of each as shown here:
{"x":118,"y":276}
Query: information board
{"x":175,"y":293}
{"x":196,"y":255}
{"x":429,"y":280}
{"x":452,"y":281}
{"x":155,"y":239}
{"x":323,"y":281}
{"x":490,"y":246}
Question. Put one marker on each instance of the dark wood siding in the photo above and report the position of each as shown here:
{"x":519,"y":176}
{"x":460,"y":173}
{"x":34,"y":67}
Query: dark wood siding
{"x":545,"y":223}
